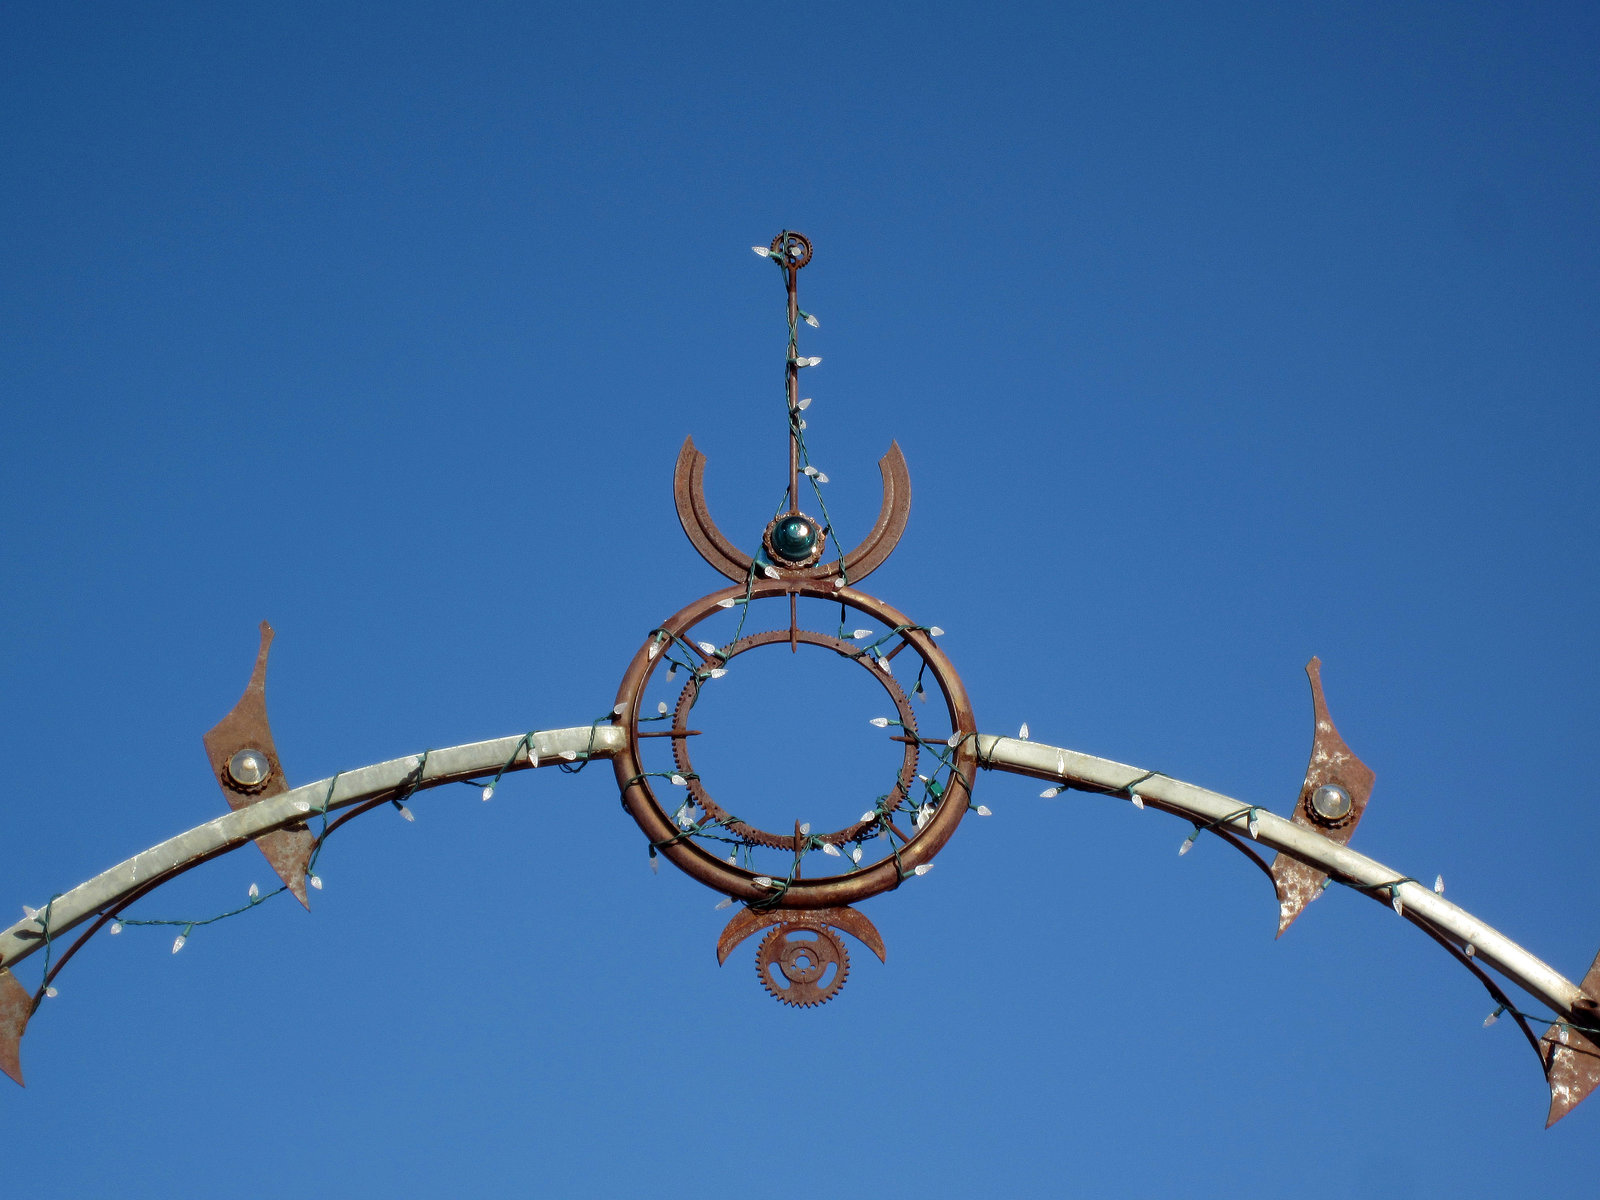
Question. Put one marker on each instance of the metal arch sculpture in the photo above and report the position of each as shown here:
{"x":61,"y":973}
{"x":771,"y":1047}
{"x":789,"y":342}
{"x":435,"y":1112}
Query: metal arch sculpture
{"x":801,"y":959}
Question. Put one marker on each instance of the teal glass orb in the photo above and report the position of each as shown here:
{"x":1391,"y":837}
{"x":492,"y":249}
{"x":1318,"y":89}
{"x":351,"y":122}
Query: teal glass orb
{"x":794,"y":538}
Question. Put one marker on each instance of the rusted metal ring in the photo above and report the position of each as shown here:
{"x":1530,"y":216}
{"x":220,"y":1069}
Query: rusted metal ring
{"x":795,"y":248}
{"x":827,"y":891}
{"x":761,"y":837}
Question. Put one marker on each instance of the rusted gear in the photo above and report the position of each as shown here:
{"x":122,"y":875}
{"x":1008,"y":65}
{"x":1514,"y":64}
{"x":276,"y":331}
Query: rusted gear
{"x":792,"y":249}
{"x":791,"y":966}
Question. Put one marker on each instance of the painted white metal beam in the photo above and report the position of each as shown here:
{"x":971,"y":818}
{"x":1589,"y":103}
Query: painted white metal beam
{"x":454,"y":764}
{"x":1205,"y":807}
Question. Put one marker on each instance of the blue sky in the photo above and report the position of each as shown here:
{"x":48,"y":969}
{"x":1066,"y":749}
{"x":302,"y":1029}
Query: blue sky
{"x":1215,"y":337}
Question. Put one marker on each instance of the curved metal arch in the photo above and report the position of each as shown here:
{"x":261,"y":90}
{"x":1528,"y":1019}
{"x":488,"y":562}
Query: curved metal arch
{"x":117,"y":886}
{"x":688,"y":493}
{"x":1205,"y":807}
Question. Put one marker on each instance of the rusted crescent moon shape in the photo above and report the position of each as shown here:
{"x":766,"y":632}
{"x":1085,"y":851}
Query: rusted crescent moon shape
{"x":688,"y":490}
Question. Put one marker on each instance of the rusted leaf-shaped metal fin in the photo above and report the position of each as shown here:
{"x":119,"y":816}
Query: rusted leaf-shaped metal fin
{"x":1335,"y":816}
{"x":245,"y":764}
{"x":748,"y":920}
{"x":15,"y":1008}
{"x":688,"y":490}
{"x":1572,"y":1058}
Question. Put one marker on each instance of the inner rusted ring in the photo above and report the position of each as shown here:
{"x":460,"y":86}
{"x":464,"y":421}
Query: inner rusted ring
{"x":849,"y":650}
{"x":800,"y":892}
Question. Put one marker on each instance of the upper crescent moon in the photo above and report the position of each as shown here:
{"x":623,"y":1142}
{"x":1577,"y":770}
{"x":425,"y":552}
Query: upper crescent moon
{"x":688,"y":490}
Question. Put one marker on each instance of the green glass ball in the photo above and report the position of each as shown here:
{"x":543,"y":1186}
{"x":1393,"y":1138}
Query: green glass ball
{"x":794,"y":539}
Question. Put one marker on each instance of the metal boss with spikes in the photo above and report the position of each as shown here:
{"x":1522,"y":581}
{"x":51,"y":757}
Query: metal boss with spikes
{"x":797,"y":886}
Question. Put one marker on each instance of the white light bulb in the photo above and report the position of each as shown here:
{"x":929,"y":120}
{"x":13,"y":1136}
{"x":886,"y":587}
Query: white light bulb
{"x":1470,"y":951}
{"x":570,"y":755}
{"x":733,"y":859}
{"x":839,"y":582}
{"x":1396,"y":903}
{"x":804,"y":404}
{"x":953,"y":740}
{"x":985,"y":811}
{"x":830,"y":849}
{"x":678,"y":780}
{"x":1491,"y":1018}
{"x":935,"y":631}
{"x":725,"y":902}
{"x":685,"y":819}
{"x":770,"y":571}
{"x":726,"y":603}
{"x":177,"y":942}
{"x":31,"y":914}
{"x":858,"y":634}
{"x":488,"y":792}
{"x":672,"y":672}
{"x":1184,"y":849}
{"x":1051,"y":793}
{"x":811,"y":471}
{"x":813,"y":361}
{"x":51,"y":992}
{"x":661,"y":707}
{"x":1023,"y":732}
{"x":1438,"y":885}
{"x":652,"y":650}
{"x":821,"y":478}
{"x":116,"y":927}
{"x":1138,"y":800}
{"x":618,"y":709}
{"x":762,"y":250}
{"x":316,"y":881}
{"x":855,"y":854}
{"x":1253,"y":824}
{"x":718,"y":672}
{"x":885,"y":667}
{"x":407,"y":813}
{"x":922,"y":868}
{"x":812,"y":321}
{"x":762,"y":881}
{"x":655,"y":865}
{"x":805,"y":828}
{"x":869,"y":816}
{"x":533,"y":756}
{"x":707,"y":647}
{"x":302,"y":805}
{"x":255,"y":892}
{"x":880,"y":722}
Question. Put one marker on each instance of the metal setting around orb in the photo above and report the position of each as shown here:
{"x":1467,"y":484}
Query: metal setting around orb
{"x":794,"y":540}
{"x":826,"y":891}
{"x":249,"y":769}
{"x":1330,"y":804}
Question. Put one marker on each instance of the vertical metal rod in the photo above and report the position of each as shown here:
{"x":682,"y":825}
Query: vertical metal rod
{"x":793,"y":379}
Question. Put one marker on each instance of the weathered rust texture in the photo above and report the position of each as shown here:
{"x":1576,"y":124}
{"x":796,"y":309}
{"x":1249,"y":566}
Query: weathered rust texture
{"x":288,"y":851}
{"x":749,"y":920}
{"x":796,"y":841}
{"x":1332,"y":762}
{"x":16,"y":1006}
{"x":793,"y":960}
{"x":1571,"y":1058}
{"x":688,"y":491}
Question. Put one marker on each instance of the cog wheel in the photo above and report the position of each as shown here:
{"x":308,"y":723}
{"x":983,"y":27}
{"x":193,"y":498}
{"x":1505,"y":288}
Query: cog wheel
{"x":792,"y":967}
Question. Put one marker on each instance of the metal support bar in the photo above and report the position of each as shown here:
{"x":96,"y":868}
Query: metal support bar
{"x":175,"y":855}
{"x":1204,"y":807}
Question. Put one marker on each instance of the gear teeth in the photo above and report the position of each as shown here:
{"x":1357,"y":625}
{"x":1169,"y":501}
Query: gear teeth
{"x":803,"y":994}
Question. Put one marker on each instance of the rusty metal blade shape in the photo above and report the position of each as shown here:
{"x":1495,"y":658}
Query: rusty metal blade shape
{"x":748,"y":920}
{"x":1571,"y":1058}
{"x":288,"y":851}
{"x":1332,"y":762}
{"x":16,"y":1006}
{"x":688,"y":490}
